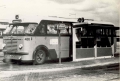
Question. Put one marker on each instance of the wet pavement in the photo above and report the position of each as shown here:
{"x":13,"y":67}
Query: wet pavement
{"x":102,"y":73}
{"x":106,"y":69}
{"x":54,"y":65}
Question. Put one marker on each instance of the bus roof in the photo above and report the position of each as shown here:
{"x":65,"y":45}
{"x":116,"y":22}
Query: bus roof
{"x":3,"y":25}
{"x":20,"y":23}
{"x":60,"y":19}
{"x":39,"y":19}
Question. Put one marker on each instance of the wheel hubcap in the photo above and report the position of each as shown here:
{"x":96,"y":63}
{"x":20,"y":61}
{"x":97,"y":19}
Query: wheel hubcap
{"x":39,"y":56}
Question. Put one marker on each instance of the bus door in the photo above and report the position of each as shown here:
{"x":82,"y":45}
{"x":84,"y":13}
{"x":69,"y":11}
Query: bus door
{"x":83,"y":43}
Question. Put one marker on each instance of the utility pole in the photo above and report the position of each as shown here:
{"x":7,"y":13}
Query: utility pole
{"x":60,"y":27}
{"x":59,"y":47}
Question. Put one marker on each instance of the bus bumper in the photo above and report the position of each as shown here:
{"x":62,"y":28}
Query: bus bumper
{"x":0,"y":50}
{"x":17,"y":61}
{"x":14,"y":53}
{"x":9,"y":55}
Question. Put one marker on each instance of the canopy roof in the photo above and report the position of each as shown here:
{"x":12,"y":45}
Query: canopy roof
{"x":95,"y":24}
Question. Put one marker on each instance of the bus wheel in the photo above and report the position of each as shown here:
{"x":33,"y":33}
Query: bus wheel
{"x":40,"y":57}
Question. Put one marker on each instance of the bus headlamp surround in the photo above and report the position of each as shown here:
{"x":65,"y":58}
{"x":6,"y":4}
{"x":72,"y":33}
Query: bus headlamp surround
{"x":3,"y":45}
{"x":20,"y":46}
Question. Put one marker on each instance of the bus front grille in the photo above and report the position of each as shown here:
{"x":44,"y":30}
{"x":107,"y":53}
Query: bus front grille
{"x":11,"y":45}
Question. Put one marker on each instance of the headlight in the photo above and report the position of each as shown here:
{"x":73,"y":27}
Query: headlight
{"x":3,"y":45}
{"x":20,"y":46}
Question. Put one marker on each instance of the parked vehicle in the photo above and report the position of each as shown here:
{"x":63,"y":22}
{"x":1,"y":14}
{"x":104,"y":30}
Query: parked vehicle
{"x":3,"y":26}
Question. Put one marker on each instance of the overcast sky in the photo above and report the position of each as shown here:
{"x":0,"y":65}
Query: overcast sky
{"x":105,"y":10}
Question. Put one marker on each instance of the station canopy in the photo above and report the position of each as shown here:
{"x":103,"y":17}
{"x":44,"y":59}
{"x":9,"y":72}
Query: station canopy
{"x":95,"y":25}
{"x":3,"y":25}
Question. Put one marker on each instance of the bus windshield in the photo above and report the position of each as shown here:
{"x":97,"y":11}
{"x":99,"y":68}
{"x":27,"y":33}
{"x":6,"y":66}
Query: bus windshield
{"x":21,"y":28}
{"x":3,"y":26}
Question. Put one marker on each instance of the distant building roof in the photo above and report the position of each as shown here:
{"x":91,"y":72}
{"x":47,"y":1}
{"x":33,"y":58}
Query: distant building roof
{"x":3,"y":25}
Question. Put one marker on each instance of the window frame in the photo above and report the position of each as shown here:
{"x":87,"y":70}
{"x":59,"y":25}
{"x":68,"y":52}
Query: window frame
{"x":48,"y":22}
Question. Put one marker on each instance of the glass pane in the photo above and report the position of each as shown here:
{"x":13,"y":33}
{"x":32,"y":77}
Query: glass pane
{"x":52,"y":29}
{"x":66,"y":30}
{"x":99,"y":32}
{"x":109,"y":31}
{"x":8,"y":29}
{"x":14,"y":30}
{"x":30,"y":28}
{"x":20,"y":30}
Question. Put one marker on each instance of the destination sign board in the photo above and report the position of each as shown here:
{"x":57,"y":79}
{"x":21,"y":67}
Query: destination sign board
{"x":61,"y":26}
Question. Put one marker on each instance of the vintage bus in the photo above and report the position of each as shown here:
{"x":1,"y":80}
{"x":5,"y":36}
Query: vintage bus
{"x":28,"y":41}
{"x":38,"y":42}
{"x":3,"y":26}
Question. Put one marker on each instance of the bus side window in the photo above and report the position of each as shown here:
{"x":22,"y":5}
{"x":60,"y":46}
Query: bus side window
{"x":66,"y":30}
{"x":51,"y":29}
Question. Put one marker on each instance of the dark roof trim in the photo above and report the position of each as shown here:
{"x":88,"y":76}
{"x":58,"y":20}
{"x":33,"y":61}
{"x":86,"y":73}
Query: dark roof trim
{"x":23,"y":23}
{"x":97,"y":26}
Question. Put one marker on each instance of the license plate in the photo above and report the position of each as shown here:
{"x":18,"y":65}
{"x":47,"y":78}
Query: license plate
{"x":7,"y":56}
{"x":13,"y":57}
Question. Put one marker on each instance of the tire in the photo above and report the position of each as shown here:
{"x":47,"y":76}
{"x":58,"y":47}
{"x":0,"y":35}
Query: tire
{"x":40,"y":57}
{"x":4,"y":60}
